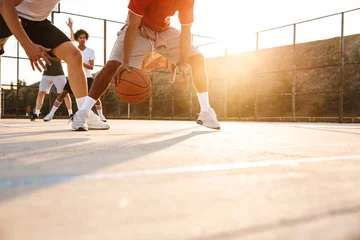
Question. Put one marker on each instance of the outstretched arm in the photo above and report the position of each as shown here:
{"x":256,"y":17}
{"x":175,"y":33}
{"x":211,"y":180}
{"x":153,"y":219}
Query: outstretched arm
{"x":33,"y":51}
{"x":129,"y":42}
{"x":70,"y":25}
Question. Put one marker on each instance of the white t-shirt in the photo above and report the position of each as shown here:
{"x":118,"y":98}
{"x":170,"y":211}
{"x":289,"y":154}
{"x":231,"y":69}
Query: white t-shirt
{"x":36,"y":10}
{"x":88,"y":54}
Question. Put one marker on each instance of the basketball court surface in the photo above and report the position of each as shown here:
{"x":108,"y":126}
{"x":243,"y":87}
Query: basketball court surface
{"x":175,"y":180}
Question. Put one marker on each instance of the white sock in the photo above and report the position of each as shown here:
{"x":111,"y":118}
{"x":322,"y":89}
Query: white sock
{"x":55,"y":106}
{"x":99,"y":110}
{"x":70,"y":111}
{"x":204,"y":101}
{"x":80,"y":102}
{"x":37,"y":112}
{"x":88,"y":104}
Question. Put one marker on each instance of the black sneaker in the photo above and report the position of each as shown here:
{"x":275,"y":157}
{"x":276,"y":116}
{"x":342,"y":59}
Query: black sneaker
{"x":71,"y":116}
{"x":34,"y":117}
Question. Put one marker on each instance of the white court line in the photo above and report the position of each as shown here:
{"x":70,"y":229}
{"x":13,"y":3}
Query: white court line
{"x":216,"y":167}
{"x":156,"y":172}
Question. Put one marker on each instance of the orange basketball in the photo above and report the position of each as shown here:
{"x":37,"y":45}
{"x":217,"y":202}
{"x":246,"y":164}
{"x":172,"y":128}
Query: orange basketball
{"x":134,"y":87}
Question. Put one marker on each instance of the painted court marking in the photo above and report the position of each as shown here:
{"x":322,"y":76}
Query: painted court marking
{"x":155,"y":172}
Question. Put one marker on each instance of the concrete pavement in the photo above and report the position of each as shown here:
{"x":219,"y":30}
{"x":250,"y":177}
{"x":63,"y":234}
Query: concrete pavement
{"x":177,"y":180}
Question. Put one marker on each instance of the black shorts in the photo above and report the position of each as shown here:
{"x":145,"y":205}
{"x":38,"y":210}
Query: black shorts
{"x":68,"y":88}
{"x":43,"y":33}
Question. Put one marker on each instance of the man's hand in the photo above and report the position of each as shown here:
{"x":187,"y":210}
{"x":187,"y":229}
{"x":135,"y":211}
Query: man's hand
{"x":36,"y":54}
{"x":70,"y":22}
{"x":121,"y":68}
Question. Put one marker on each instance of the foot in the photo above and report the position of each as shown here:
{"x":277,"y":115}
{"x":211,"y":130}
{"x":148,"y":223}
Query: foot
{"x":34,"y":118}
{"x":208,"y":119}
{"x":48,"y":117}
{"x":71,"y":116}
{"x":102,"y":118}
{"x":94,"y":122}
{"x":79,"y":121}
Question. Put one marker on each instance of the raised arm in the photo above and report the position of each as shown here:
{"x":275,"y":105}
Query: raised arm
{"x":70,"y":25}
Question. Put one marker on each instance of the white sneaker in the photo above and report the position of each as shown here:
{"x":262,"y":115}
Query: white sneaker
{"x":208,"y":119}
{"x":79,"y":121}
{"x":102,"y":118}
{"x":94,"y":122}
{"x":48,"y":117}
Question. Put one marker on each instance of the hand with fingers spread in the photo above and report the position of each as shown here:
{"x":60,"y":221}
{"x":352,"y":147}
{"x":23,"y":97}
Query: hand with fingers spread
{"x":36,"y":54}
{"x":124,"y":66}
{"x":70,"y":22}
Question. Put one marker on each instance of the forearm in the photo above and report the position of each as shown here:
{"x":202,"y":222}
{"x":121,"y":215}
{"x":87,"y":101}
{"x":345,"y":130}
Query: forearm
{"x":72,"y":38}
{"x":129,"y":42}
{"x":11,"y":17}
{"x":88,"y":66}
{"x":185,"y":43}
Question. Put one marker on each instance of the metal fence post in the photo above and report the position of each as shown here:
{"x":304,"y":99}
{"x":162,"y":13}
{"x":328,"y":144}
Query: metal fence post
{"x":226,"y":85}
{"x":172,"y":102}
{"x":256,"y":104}
{"x":1,"y":108}
{"x":104,"y":62}
{"x":293,"y":89}
{"x":191,"y":103}
{"x":341,"y":85}
{"x":128,"y":110}
{"x":17,"y":77}
{"x":151,"y":98}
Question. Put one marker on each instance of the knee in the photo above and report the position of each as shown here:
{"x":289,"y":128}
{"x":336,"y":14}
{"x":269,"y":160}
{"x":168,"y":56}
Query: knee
{"x":75,"y":57}
{"x":41,"y":94}
{"x":196,"y":60}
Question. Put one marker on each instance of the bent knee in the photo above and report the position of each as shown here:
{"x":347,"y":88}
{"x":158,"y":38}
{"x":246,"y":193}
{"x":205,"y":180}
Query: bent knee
{"x":197,"y":58}
{"x":74,"y":56}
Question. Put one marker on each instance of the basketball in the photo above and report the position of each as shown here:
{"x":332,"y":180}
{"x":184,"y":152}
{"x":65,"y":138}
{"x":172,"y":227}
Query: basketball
{"x":134,"y":87}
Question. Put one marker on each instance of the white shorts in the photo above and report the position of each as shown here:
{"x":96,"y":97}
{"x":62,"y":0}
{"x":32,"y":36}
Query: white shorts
{"x":143,"y":46}
{"x":47,"y":81}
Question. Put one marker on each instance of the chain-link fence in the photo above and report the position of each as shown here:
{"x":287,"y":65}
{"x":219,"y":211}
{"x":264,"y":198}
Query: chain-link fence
{"x":306,"y":71}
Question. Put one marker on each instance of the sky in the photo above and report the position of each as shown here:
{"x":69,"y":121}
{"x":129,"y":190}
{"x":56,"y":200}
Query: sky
{"x":232,"y":22}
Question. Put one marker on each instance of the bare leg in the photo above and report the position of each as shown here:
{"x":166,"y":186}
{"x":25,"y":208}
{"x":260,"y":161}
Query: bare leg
{"x":62,"y":96}
{"x":103,"y":79}
{"x":68,"y":101}
{"x":199,"y":72}
{"x":40,"y":100}
{"x":73,"y":57}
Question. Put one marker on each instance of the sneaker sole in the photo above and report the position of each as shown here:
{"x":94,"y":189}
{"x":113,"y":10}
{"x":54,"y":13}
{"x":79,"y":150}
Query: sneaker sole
{"x":80,"y":129}
{"x":201,"y":123}
{"x":47,"y":120}
{"x":99,"y":128}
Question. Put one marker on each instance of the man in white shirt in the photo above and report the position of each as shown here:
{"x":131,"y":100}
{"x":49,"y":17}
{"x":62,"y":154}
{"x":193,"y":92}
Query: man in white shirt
{"x":81,"y":36}
{"x":27,"y":21}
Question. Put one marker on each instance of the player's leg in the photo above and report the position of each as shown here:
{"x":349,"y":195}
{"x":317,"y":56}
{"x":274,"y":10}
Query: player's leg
{"x":68,"y":104}
{"x":44,"y":87}
{"x":98,"y":104}
{"x":103,"y":79}
{"x":5,"y":33}
{"x":39,"y":102}
{"x":47,"y":35}
{"x":60,"y":82}
{"x":207,"y":116}
{"x":58,"y":101}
